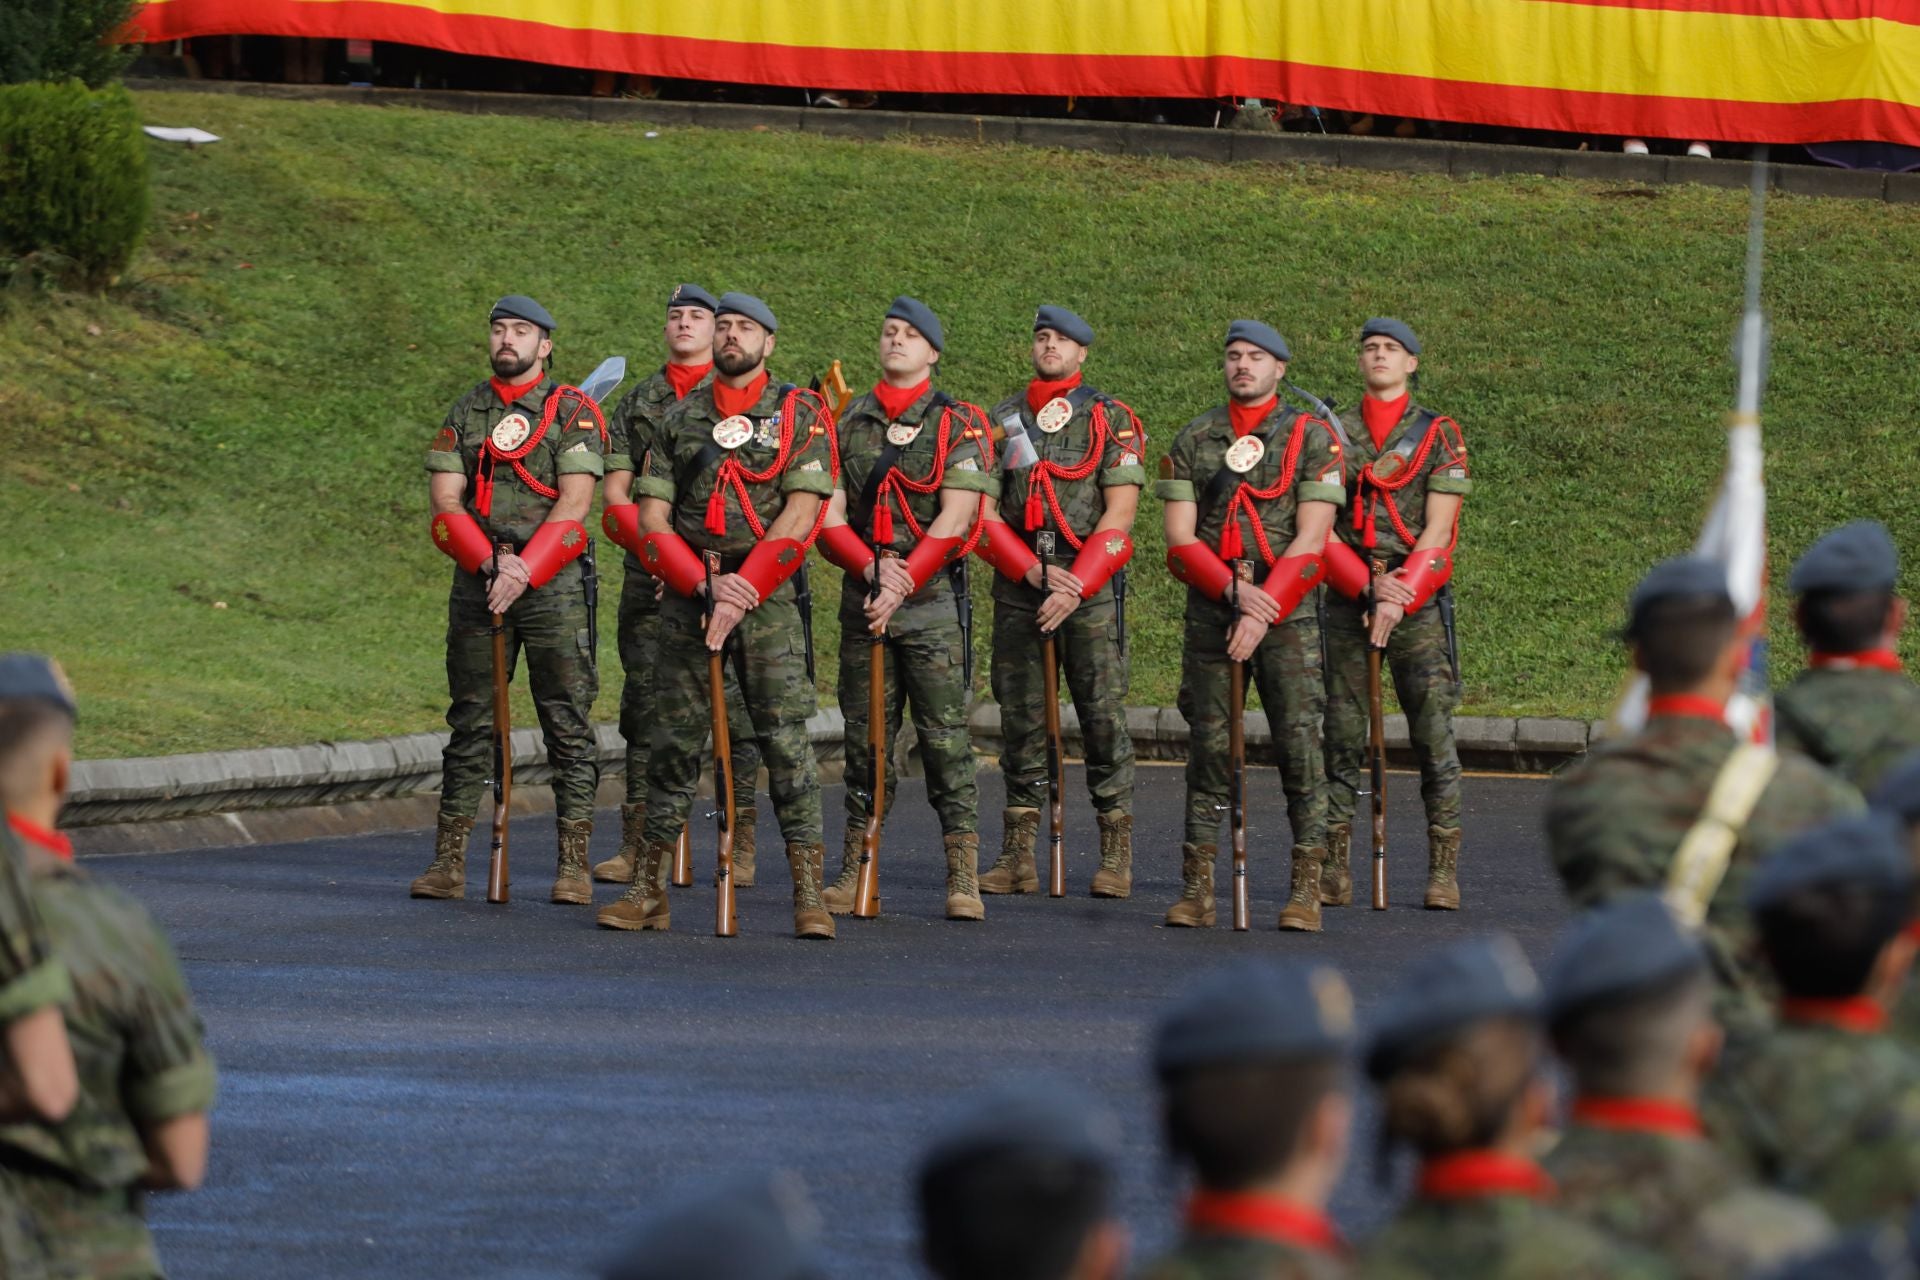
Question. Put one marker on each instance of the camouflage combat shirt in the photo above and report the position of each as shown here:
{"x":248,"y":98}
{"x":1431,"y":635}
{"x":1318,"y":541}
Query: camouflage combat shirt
{"x":632,"y":424}
{"x":1397,"y":460}
{"x":863,"y":438}
{"x":1854,"y":720}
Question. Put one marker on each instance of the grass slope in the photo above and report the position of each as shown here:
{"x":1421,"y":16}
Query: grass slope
{"x":242,"y":420}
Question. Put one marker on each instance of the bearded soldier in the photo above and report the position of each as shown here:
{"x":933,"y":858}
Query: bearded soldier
{"x":1406,"y":483}
{"x":1074,"y":506}
{"x":630,"y":432}
{"x":511,"y":476}
{"x":917,"y":472}
{"x":742,"y":468}
{"x":1252,"y":476}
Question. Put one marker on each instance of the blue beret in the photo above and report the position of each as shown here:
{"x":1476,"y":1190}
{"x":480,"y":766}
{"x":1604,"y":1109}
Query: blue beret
{"x":1388,"y":327}
{"x":745,"y":304}
{"x":1631,"y":945}
{"x":1036,"y":1118}
{"x":1880,"y":1252}
{"x":691,"y":295}
{"x":920,"y":316}
{"x":1447,"y":992}
{"x":32,"y":675}
{"x":1869,"y":850}
{"x":747,"y":1227}
{"x":1263,"y":336}
{"x":1898,"y":791}
{"x":1855,"y":557}
{"x":518,"y":306}
{"x":1064,"y":323}
{"x":1257,"y":1010}
{"x":1680,"y":576}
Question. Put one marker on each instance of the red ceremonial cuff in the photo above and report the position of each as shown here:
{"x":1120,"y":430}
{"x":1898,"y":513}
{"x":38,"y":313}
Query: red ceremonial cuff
{"x":1101,"y":556}
{"x":930,"y":557}
{"x":1001,"y":547}
{"x":668,"y":558}
{"x":1292,"y":578}
{"x":846,"y":548}
{"x":1347,"y":573}
{"x":552,"y":547}
{"x":459,"y":535}
{"x":1425,"y":572}
{"x":622,"y":524}
{"x":771,"y":562}
{"x":1195,"y":564}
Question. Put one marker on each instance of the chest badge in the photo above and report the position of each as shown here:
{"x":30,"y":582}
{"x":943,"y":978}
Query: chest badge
{"x":1388,"y":466}
{"x":510,"y":432}
{"x":902,"y":434}
{"x":763,"y":431}
{"x":1244,"y":454}
{"x":1054,"y":414}
{"x":731,"y":433}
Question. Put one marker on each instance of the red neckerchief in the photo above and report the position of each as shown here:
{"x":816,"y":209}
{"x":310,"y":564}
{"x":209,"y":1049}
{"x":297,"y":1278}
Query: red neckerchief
{"x":1382,"y":415}
{"x":733,"y":401}
{"x":1859,"y":1014}
{"x":895,"y":401}
{"x":1245,"y":417}
{"x":1262,"y":1218}
{"x":1640,"y":1115}
{"x":1878,"y":659}
{"x":685,"y":377}
{"x":1038,"y":392}
{"x":35,"y":834}
{"x":1687,"y":704}
{"x":1475,"y":1175}
{"x":509,"y":394}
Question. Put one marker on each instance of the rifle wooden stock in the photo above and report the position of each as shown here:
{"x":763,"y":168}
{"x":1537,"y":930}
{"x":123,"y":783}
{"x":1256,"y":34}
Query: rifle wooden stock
{"x":1237,"y":790}
{"x":725,"y":923}
{"x":866,"y":885}
{"x":683,"y":857}
{"x":498,"y":877}
{"x":1377,"y":766}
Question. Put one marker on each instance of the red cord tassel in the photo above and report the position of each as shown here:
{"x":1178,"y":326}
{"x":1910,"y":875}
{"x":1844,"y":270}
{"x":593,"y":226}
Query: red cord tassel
{"x":1231,"y":546}
{"x":483,"y":487}
{"x":717,"y":512}
{"x":883,"y":521}
{"x":1035,"y":518}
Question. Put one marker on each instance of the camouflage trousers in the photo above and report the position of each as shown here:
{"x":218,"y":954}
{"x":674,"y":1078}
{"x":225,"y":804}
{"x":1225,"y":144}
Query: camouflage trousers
{"x":1416,"y":657}
{"x":549,"y":625}
{"x":924,"y":657}
{"x":640,"y":658}
{"x":768,"y":653}
{"x":1286,"y":671}
{"x":1093,"y":671}
{"x":55,"y":1229}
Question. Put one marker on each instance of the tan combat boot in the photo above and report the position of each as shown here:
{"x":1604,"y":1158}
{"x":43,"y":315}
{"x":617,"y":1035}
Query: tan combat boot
{"x":1114,"y":879}
{"x":571,"y":887}
{"x":1336,"y":876}
{"x":1443,"y":867}
{"x":1013,"y":871}
{"x":838,"y":896}
{"x":446,"y":875}
{"x":633,"y":828}
{"x":1194,"y":907}
{"x":644,"y":904}
{"x":746,"y":823}
{"x":810,"y":918}
{"x":1302,"y":912}
{"x":963,"y":878}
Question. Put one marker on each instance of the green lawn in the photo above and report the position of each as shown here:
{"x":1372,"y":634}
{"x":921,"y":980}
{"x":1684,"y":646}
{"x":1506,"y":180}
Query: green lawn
{"x":241,"y":421}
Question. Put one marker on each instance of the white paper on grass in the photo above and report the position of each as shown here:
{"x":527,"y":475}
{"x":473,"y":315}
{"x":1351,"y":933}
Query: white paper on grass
{"x":166,"y":134}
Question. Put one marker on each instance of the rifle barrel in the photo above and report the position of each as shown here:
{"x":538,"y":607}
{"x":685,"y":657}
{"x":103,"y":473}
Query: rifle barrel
{"x":1377,"y":765}
{"x":499,"y":878}
{"x":1237,"y":790}
{"x":866,"y":886}
{"x":1056,"y":784}
{"x":725,"y":920}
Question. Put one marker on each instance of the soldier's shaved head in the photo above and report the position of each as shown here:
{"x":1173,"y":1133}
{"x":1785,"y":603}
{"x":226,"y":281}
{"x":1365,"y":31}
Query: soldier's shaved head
{"x":36,"y":748}
{"x":1842,"y":622}
{"x":1642,"y":1044}
{"x":1682,"y":641}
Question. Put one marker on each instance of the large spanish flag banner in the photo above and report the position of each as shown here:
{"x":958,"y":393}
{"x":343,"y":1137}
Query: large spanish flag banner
{"x":1733,"y":70}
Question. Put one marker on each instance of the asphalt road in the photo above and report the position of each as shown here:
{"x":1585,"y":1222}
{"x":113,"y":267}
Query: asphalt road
{"x":441,"y":1089}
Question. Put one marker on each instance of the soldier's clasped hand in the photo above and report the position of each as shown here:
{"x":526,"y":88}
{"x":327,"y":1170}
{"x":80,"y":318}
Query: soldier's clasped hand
{"x":1058,"y":579}
{"x":510,"y":579}
{"x":1385,"y":618}
{"x":1057,"y":608}
{"x":1392,"y":590}
{"x":1257,"y":605}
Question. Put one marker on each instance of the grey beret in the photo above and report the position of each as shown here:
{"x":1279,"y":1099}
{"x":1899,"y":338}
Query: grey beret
{"x":691,"y":295}
{"x":1869,"y":850}
{"x":1263,"y":336}
{"x":1449,"y":991}
{"x":1680,"y":576}
{"x":518,"y":306}
{"x":1044,"y":1117}
{"x":1388,"y":327}
{"x":1257,"y":1010}
{"x":1898,"y":791}
{"x":745,"y":304}
{"x":920,"y":316}
{"x":1064,"y":323}
{"x":1855,"y":557}
{"x":34,"y":676}
{"x":747,"y":1227}
{"x":1631,"y":945}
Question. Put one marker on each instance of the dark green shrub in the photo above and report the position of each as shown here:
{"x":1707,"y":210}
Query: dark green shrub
{"x":64,"y":40}
{"x":73,"y":179}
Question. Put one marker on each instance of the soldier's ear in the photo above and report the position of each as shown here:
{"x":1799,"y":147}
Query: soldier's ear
{"x":1104,"y":1254}
{"x":1896,"y":617}
{"x":1703,"y":1048}
{"x":61,"y":769}
{"x":768,"y":350}
{"x":1891,"y":970}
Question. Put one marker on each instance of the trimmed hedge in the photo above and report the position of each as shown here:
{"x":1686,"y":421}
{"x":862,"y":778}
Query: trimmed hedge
{"x":73,"y":180}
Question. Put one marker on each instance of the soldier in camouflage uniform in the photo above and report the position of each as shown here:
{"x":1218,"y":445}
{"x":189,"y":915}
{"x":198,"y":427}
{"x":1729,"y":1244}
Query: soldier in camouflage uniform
{"x":511,"y":476}
{"x":741,"y":469}
{"x":1456,"y":1055}
{"x":1252,"y":1070}
{"x":1899,"y":795}
{"x":1828,"y":1106}
{"x":1072,"y":475}
{"x":689,"y":334}
{"x":1617,"y":820}
{"x":1630,"y":1007}
{"x":1854,"y":709}
{"x":1407,"y":479}
{"x":1253,"y":476}
{"x":916,"y":475}
{"x":72,"y":1190}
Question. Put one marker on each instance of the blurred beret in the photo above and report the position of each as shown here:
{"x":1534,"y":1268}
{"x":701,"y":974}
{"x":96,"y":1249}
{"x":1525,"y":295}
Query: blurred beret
{"x":1898,"y":791}
{"x":33,"y":675}
{"x":920,"y":316}
{"x":745,"y":304}
{"x":1631,"y":945}
{"x":1263,"y":336}
{"x":1855,"y":557}
{"x":1869,"y":850}
{"x":1879,"y":1252}
{"x":1038,"y":1118}
{"x":747,"y":1227}
{"x":1449,"y":991}
{"x":1388,"y":327}
{"x":1680,"y":576}
{"x":518,"y":306}
{"x":1064,"y":323}
{"x":691,"y":295}
{"x":1257,"y":1010}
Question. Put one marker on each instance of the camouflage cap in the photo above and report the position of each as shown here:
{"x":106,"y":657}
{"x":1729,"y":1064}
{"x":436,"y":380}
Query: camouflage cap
{"x":1680,"y":576}
{"x":1859,"y":556}
{"x":1045,"y":1117}
{"x":1863,"y":849}
{"x":1630,"y":945}
{"x":1064,"y":323}
{"x":747,"y":1227}
{"x":1263,"y":336}
{"x":1898,"y":791}
{"x":518,"y":306}
{"x":34,"y":675}
{"x":745,"y":304}
{"x":920,"y":316}
{"x":1388,"y":327}
{"x":1257,"y":1010}
{"x":1449,"y":991}
{"x":691,"y":295}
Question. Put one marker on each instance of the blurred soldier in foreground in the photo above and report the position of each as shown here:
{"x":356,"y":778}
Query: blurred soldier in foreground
{"x":747,"y":1227}
{"x":1899,"y":795}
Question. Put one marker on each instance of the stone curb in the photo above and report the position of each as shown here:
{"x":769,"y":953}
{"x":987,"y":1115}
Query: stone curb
{"x":1223,"y":146}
